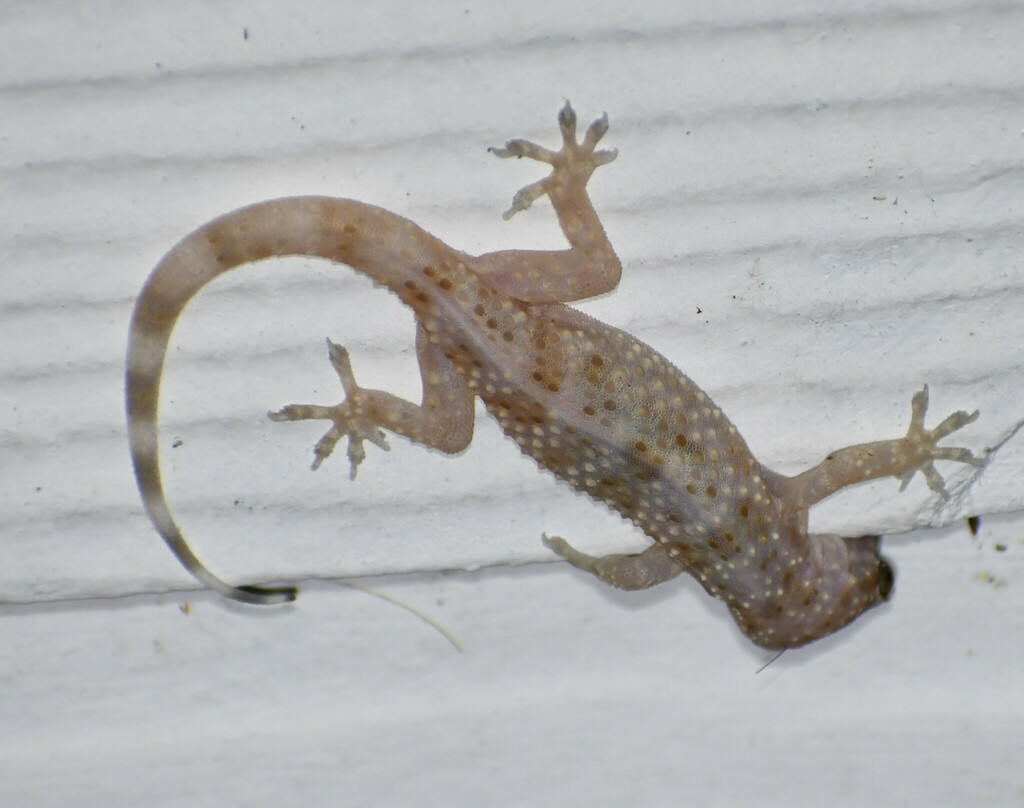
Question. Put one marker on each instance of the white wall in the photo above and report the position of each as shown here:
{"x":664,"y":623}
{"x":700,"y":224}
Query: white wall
{"x":839,"y":190}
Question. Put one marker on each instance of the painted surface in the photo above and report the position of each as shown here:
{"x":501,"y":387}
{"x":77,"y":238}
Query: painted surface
{"x":818,"y":211}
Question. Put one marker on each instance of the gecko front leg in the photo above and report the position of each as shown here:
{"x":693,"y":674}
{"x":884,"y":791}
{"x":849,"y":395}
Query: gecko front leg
{"x":653,"y":566}
{"x":901,"y":458}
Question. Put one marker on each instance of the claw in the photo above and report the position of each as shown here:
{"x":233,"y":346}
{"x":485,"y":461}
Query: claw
{"x":524,"y":148}
{"x":525,"y":197}
{"x":595,"y":131}
{"x":954,"y":422}
{"x":561,"y":547}
{"x":567,"y":122}
{"x":325,"y":446}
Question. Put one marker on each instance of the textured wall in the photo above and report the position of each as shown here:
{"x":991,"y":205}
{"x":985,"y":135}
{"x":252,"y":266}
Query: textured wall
{"x":819,"y":207}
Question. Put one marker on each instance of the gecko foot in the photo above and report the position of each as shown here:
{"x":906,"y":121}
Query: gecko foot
{"x":633,"y":571}
{"x":561,"y":547}
{"x":922,"y":442}
{"x":347,"y":417}
{"x":573,"y":163}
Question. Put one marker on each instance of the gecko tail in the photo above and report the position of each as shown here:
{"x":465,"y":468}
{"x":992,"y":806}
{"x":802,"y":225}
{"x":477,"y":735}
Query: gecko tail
{"x":190,"y":265}
{"x":252,"y":595}
{"x":367,"y":239}
{"x":143,"y":441}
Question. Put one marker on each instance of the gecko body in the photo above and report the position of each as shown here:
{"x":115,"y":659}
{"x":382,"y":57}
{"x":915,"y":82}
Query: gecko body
{"x":589,"y":402}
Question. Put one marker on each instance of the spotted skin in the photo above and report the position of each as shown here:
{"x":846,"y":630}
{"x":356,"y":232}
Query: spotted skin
{"x":590,"y":403}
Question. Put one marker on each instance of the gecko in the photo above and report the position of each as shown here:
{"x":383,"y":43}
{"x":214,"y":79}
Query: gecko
{"x":588,"y":402}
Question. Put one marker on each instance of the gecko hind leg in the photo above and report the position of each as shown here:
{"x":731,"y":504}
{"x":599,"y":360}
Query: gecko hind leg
{"x":345,"y":416}
{"x":590,"y":267}
{"x":653,"y":566}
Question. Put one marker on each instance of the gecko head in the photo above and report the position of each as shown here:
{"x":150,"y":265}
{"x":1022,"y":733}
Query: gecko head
{"x":837,"y":581}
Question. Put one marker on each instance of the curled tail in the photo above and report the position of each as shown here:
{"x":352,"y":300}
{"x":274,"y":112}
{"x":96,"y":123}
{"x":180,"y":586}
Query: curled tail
{"x":362,"y":236}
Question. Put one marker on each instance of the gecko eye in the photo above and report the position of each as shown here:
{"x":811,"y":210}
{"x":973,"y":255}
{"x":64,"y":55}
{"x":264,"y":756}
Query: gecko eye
{"x":886,"y":579}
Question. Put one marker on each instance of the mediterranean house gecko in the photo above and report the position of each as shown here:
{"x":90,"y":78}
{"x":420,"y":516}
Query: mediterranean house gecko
{"x":590,"y":403}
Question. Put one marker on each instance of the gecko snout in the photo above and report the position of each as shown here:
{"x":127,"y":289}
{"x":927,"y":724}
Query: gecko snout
{"x":886,"y":579}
